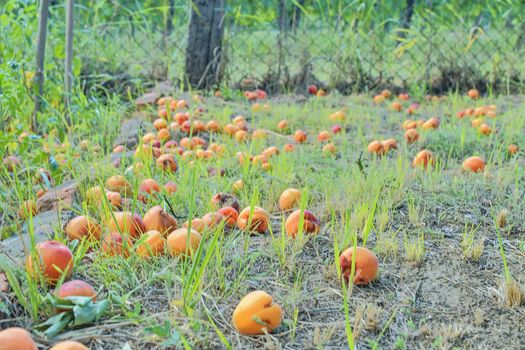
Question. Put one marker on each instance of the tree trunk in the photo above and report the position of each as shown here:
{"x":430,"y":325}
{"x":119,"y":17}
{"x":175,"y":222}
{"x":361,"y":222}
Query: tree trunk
{"x":203,"y":54}
{"x":68,"y":73}
{"x":40,"y":56}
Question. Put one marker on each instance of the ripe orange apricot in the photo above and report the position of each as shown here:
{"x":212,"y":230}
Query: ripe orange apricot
{"x":118,"y":183}
{"x":300,"y":136}
{"x":82,"y":226}
{"x":259,"y":134}
{"x":283,"y":125}
{"x":230,"y":215}
{"x":270,"y":152}
{"x":338,"y":116}
{"x":116,"y":243}
{"x":474,"y":164}
{"x":388,"y":145}
{"x":366,"y":265}
{"x":310,"y":223}
{"x":375,"y":147}
{"x":196,"y":224}
{"x":476,"y":122}
{"x":513,"y":149}
{"x":289,"y":199}
{"x":152,"y":245}
{"x":329,"y":149}
{"x":126,"y":222}
{"x":160,"y":123}
{"x":76,"y":288}
{"x":54,"y":258}
{"x":386,"y":93}
{"x":183,"y":242}
{"x":423,"y":158}
{"x":485,"y":129}
{"x":258,"y":222}
{"x":241,"y":136}
{"x":157,"y":219}
{"x":473,"y":94}
{"x":379,"y":98}
{"x":289,"y":147}
{"x":69,"y":345}
{"x":170,"y":187}
{"x":432,"y":123}
{"x":403,"y":97}
{"x":256,"y":314}
{"x":15,"y":338}
{"x":212,"y":219}
{"x":396,"y":106}
{"x":323,"y":136}
{"x":409,"y":124}
{"x":411,"y":136}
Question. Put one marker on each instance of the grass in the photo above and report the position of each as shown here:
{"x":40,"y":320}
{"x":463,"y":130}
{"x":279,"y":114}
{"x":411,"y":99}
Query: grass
{"x":415,"y":220}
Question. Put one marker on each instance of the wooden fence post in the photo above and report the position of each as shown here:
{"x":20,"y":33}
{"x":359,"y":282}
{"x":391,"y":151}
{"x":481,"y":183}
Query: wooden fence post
{"x":203,"y":54}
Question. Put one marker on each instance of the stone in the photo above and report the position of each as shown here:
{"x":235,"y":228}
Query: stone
{"x":60,"y":197}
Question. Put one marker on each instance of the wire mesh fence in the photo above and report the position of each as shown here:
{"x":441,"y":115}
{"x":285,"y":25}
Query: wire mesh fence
{"x":283,"y":45}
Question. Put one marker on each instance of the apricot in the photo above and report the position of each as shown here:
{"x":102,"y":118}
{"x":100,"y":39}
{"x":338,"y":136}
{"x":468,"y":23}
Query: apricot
{"x":231,"y":129}
{"x":323,"y":136}
{"x":69,"y":345}
{"x":259,"y":134}
{"x":300,"y":136}
{"x":473,"y":94}
{"x":432,"y":123}
{"x":474,"y":164}
{"x":411,"y":136}
{"x":310,"y":223}
{"x":196,"y":224}
{"x":76,"y":288}
{"x":238,"y":186}
{"x":389,"y":144}
{"x":270,"y":152}
{"x":289,"y":199}
{"x":329,"y":149}
{"x":423,"y":158}
{"x":336,"y":129}
{"x":375,"y":147}
{"x":15,"y":338}
{"x":409,"y":124}
{"x":259,"y":221}
{"x":148,"y":186}
{"x":485,"y":129}
{"x":170,"y":187}
{"x":118,"y":183}
{"x":213,"y":126}
{"x":513,"y":149}
{"x":160,"y":123}
{"x":167,"y":162}
{"x":396,"y":106}
{"x":403,"y":97}
{"x":183,"y":242}
{"x":386,"y":93}
{"x":152,"y":245}
{"x":163,"y":135}
{"x":283,"y":125}
{"x":27,"y":208}
{"x":54,"y":258}
{"x":158,"y":219}
{"x":241,"y":136}
{"x":289,"y":147}
{"x":476,"y":122}
{"x":223,"y":199}
{"x":338,"y":116}
{"x":212,"y":219}
{"x":379,"y":99}
{"x":82,"y":226}
{"x":256,"y":314}
{"x":366,"y":265}
{"x":312,"y":89}
{"x":229,"y":215}
{"x":126,"y":222}
{"x":116,"y":243}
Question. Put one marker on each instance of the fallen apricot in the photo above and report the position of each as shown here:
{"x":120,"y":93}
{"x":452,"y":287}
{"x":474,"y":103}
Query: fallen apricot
{"x":118,"y":183}
{"x":15,"y":338}
{"x":27,"y":208}
{"x":229,"y":215}
{"x":300,"y":136}
{"x":289,"y":199}
{"x":375,"y":147}
{"x":423,"y":158}
{"x":310,"y":223}
{"x":256,"y":314}
{"x":159,"y":220}
{"x":254,"y":219}
{"x":366,"y":265}
{"x":473,"y":94}
{"x":153,"y":244}
{"x":411,"y":136}
{"x":54,"y":259}
{"x":126,"y":222}
{"x":76,"y":288}
{"x":183,"y":242}
{"x":196,"y":224}
{"x":82,"y":226}
{"x":474,"y":164}
{"x":116,"y":243}
{"x":513,"y":149}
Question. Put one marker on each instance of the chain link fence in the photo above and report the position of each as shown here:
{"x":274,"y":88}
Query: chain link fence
{"x":278,"y":45}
